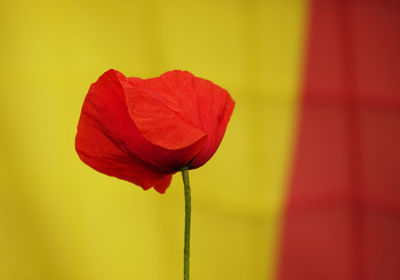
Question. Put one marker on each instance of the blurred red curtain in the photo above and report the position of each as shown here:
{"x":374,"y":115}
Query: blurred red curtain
{"x":342,"y":219}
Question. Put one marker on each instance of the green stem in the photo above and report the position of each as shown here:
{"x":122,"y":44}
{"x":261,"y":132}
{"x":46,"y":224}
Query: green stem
{"x":186,"y":249}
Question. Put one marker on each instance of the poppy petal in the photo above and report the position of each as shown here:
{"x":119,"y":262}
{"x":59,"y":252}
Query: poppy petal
{"x":162,"y":185}
{"x":108,"y":97}
{"x":106,"y":135}
{"x":195,"y":100}
{"x":215,"y":112}
{"x":96,"y":149}
{"x":159,"y":123}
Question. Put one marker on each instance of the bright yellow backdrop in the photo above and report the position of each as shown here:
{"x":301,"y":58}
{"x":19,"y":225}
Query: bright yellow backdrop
{"x":59,"y":219}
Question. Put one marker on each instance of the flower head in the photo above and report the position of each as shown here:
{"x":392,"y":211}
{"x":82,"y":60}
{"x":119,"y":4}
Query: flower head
{"x":145,"y":130}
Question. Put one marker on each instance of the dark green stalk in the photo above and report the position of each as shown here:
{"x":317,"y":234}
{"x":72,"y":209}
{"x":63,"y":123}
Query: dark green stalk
{"x":186,"y":249}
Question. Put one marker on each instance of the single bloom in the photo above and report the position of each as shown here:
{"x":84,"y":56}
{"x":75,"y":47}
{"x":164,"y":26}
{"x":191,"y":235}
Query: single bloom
{"x":145,"y":130}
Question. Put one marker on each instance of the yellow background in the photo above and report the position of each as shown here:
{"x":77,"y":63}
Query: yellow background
{"x":59,"y":219}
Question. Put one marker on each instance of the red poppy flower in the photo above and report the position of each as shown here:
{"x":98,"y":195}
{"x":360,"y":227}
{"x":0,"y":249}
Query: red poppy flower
{"x":145,"y":130}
